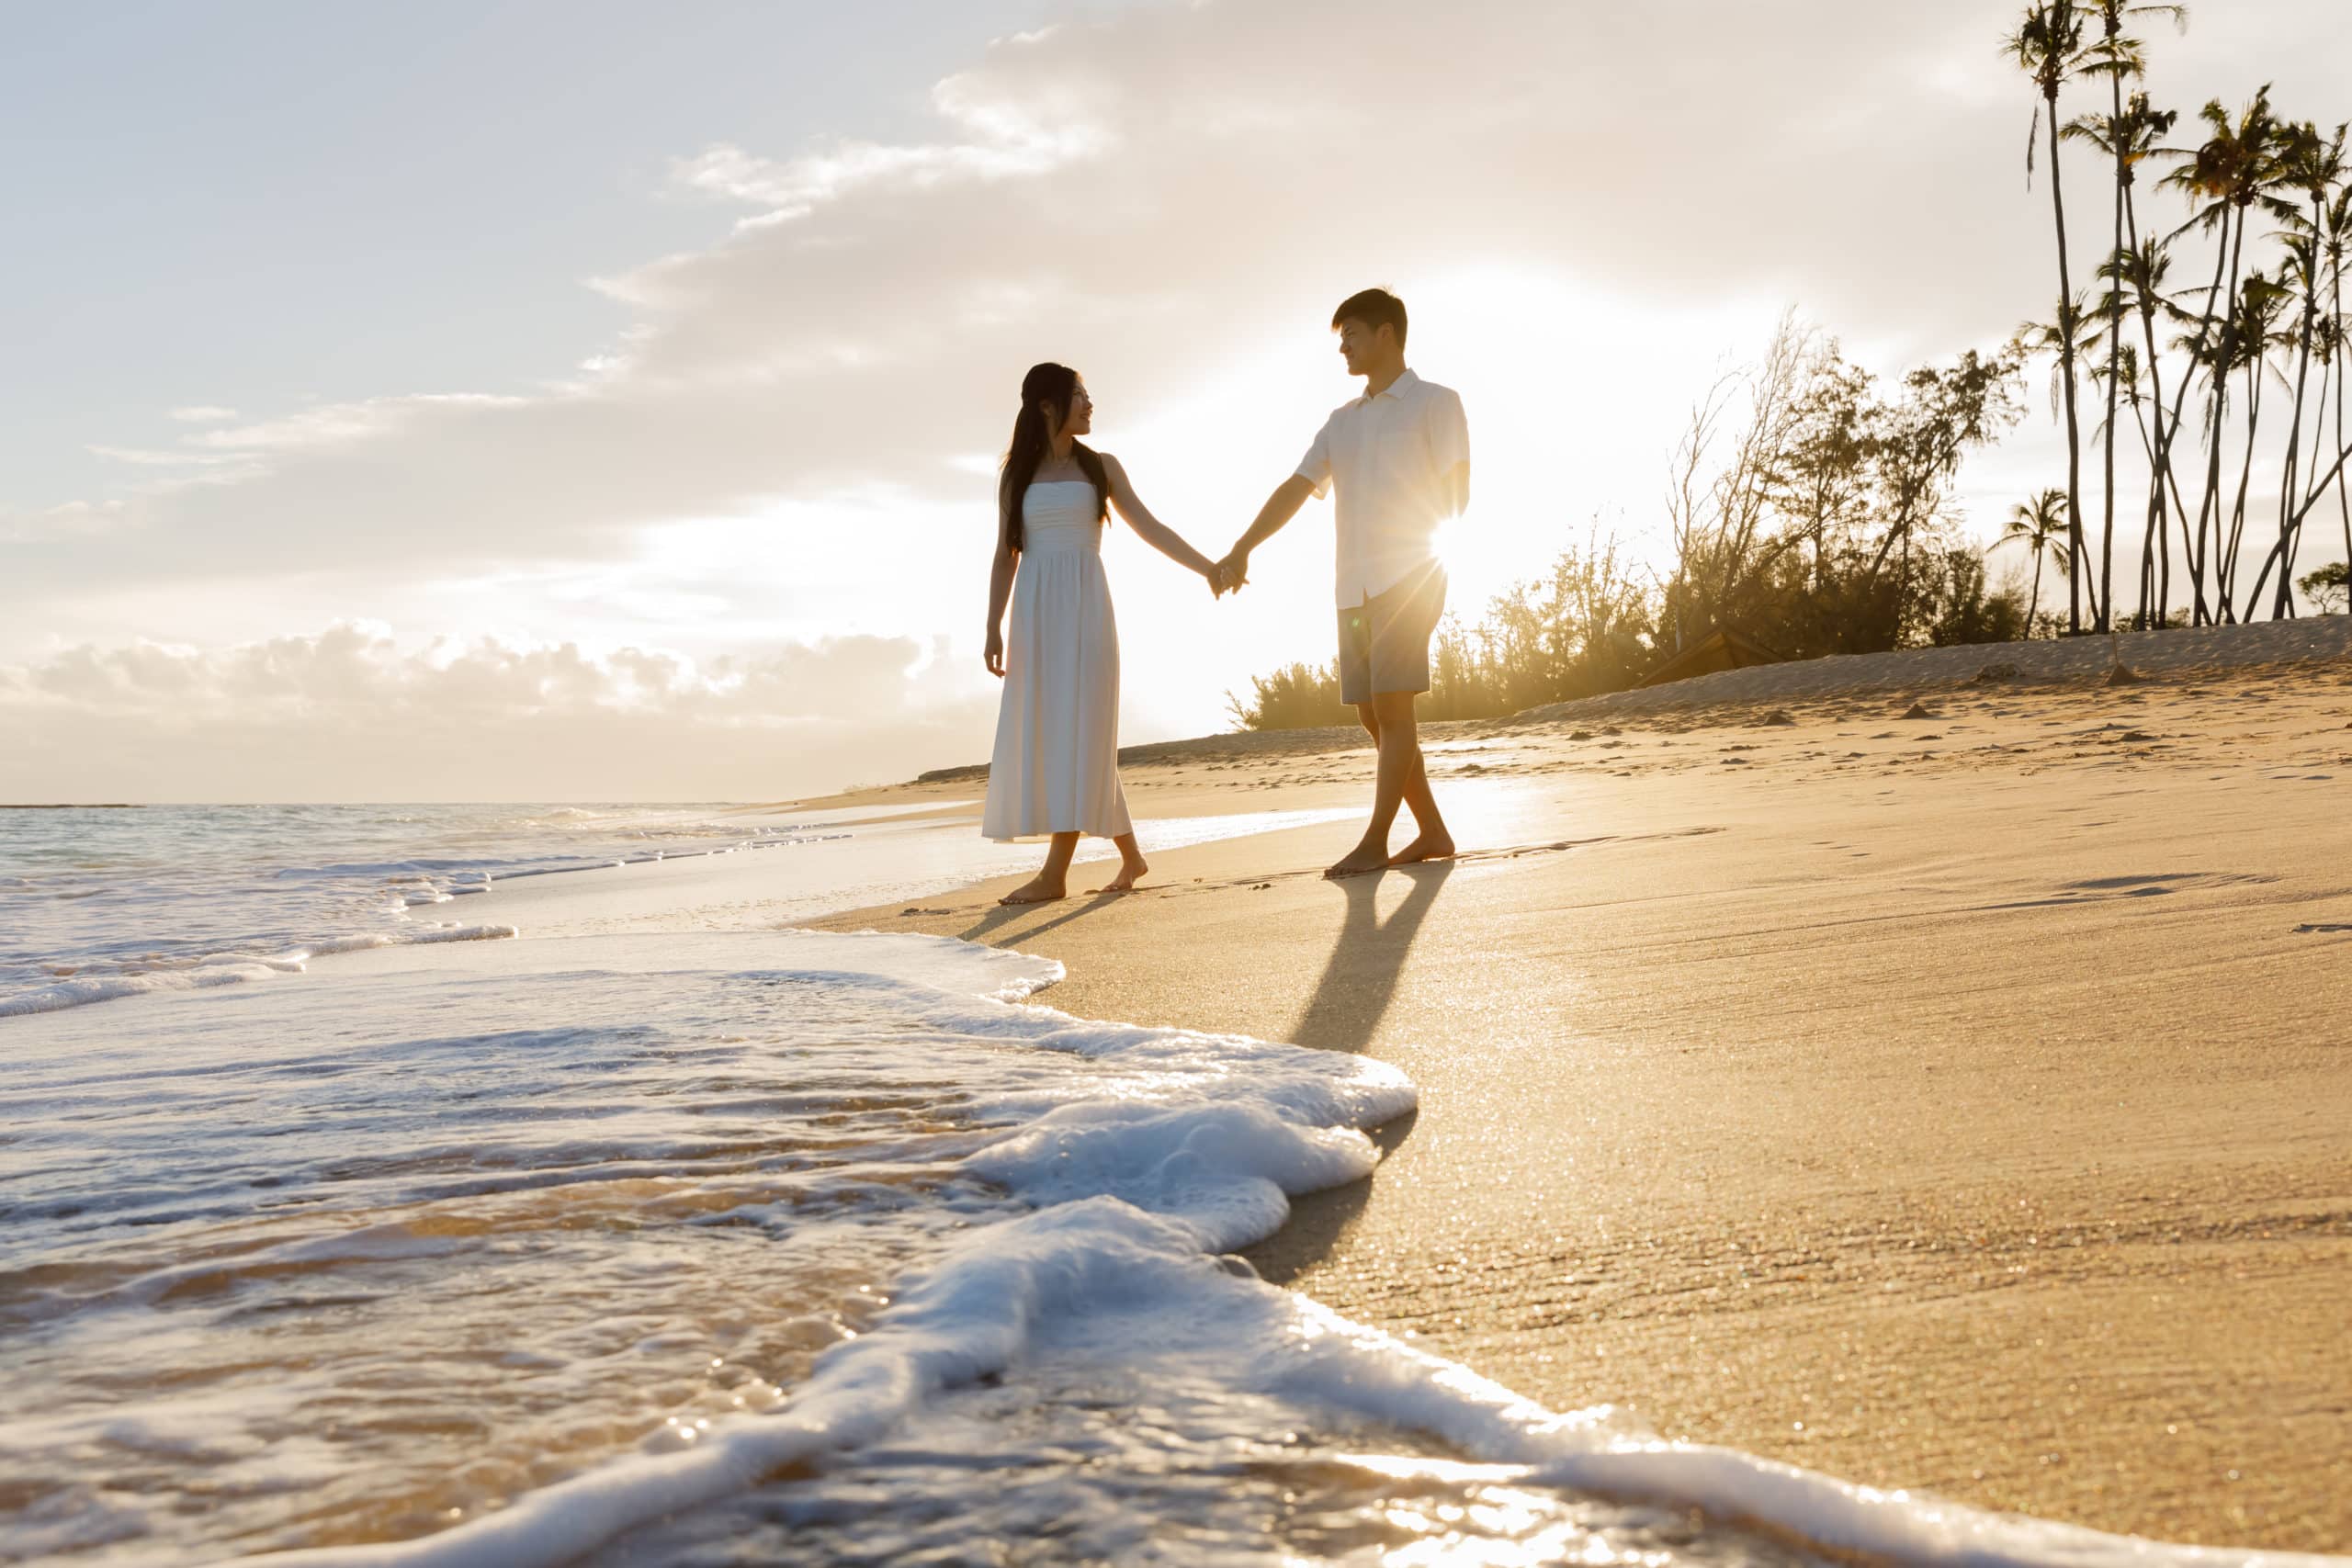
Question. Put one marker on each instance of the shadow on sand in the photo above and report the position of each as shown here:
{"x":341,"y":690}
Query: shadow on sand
{"x":1003,"y":915}
{"x":1358,"y":983}
{"x":1351,"y":998}
{"x":1360,"y":977}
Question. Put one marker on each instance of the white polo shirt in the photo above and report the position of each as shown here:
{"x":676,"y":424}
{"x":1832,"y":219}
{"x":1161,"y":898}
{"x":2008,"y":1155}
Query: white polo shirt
{"x":1389,"y":456}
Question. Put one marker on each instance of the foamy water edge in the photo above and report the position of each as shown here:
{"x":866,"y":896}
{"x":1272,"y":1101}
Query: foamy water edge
{"x":1136,"y":1199}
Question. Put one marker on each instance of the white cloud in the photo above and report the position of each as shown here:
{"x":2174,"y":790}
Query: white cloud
{"x":1169,"y":195}
{"x":153,"y":458}
{"x":73,"y":521}
{"x":1153,"y":196}
{"x":1000,"y":140}
{"x":347,"y":714}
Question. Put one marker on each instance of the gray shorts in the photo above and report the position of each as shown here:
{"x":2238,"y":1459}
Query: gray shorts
{"x":1384,"y":641}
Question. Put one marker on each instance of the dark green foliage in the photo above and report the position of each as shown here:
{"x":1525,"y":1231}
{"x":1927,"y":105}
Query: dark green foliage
{"x":1820,"y":532}
{"x":1304,"y":696}
{"x":1963,"y":610}
{"x":2325,"y":589}
{"x":1581,"y":630}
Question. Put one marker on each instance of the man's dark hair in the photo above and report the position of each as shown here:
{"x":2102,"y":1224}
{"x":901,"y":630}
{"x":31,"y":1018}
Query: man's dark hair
{"x":1375,"y":307}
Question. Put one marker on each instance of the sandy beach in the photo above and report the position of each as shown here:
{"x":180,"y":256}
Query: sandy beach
{"x":1929,"y":1068}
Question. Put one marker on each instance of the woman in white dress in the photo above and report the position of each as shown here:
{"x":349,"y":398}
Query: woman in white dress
{"x":1056,"y":769}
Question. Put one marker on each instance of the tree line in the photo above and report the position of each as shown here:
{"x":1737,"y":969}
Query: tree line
{"x":1808,"y":508}
{"x":2183,"y":368}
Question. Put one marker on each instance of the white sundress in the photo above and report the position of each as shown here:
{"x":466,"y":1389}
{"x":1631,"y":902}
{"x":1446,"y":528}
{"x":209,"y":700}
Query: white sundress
{"x":1056,"y":769}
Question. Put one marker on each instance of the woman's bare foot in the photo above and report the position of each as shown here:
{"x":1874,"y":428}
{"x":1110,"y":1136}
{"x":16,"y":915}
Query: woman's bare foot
{"x":1429,"y":846}
{"x":1039,"y":889}
{"x":1363,"y":859}
{"x":1131,"y":870}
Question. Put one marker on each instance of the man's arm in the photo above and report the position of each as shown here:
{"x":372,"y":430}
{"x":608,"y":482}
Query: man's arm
{"x":1449,"y":439}
{"x":1456,"y":487}
{"x":1280,"y":508}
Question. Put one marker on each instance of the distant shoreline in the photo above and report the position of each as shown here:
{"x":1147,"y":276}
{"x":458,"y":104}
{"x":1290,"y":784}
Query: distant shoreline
{"x":72,"y":805}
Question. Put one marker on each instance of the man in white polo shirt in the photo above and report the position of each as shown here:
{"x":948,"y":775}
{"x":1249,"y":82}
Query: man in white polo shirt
{"x":1399,"y":459}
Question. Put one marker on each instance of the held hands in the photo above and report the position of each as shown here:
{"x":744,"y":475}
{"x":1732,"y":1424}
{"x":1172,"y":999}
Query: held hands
{"x":1231,"y":574}
{"x":1222,"y":578}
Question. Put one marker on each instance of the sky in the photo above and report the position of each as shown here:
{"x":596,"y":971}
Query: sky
{"x":584,"y":400}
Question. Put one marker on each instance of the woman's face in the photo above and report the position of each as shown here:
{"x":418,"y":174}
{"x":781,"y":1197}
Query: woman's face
{"x":1081,"y":410}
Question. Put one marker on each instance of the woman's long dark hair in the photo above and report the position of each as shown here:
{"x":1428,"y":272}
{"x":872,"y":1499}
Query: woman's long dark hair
{"x":1054,"y":386}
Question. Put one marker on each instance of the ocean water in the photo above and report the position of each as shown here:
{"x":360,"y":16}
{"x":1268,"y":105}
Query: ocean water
{"x":658,"y":1249}
{"x":98,"y":902}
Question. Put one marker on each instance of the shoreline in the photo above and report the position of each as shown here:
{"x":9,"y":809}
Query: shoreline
{"x":1936,"y":1090}
{"x":1949,"y":1102}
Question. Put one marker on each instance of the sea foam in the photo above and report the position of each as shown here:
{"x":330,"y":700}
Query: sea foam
{"x":1134,"y":1182}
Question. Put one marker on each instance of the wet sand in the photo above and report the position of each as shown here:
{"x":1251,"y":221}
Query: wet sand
{"x":1958,"y":1102}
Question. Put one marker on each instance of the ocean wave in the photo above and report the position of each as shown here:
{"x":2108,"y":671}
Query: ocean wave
{"x":228,"y":969}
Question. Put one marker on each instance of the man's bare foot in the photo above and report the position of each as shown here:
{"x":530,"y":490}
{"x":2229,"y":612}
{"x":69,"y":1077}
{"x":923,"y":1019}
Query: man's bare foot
{"x":1039,"y":889}
{"x":1428,"y":847}
{"x":1358,"y":861}
{"x":1130,"y":872}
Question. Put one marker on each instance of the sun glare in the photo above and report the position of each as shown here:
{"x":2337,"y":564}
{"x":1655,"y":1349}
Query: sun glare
{"x":1574,"y":396}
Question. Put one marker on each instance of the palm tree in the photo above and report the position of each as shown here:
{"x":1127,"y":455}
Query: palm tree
{"x":2254,"y":329}
{"x":2313,"y":166}
{"x":2230,"y":172}
{"x":2048,"y":46}
{"x":2067,"y":350}
{"x":2123,"y":365}
{"x":2335,"y":239}
{"x":2041,"y":525}
{"x":2298,"y":279}
{"x":2130,"y":135}
{"x":2117,"y":57}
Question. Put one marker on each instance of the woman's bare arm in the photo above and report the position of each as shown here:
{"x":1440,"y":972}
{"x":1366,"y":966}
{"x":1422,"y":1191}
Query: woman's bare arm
{"x":1150,"y":529}
{"x":1000,"y":593}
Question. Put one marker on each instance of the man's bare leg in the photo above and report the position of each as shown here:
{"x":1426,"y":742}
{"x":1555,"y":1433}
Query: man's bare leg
{"x":1432,"y":842}
{"x":1052,"y":880}
{"x":1389,"y":719}
{"x":1132,"y":865}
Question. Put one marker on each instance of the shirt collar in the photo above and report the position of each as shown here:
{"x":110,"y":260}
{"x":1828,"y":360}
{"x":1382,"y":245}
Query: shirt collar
{"x":1404,"y":383}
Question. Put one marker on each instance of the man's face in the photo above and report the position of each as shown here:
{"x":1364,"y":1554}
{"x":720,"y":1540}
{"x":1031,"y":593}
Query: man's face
{"x":1360,"y":347}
